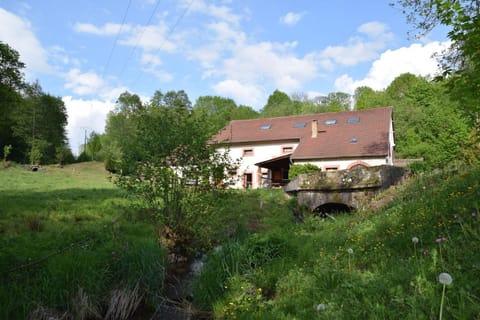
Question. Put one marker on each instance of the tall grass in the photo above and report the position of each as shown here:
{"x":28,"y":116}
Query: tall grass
{"x":66,"y":242}
{"x":306,"y":271}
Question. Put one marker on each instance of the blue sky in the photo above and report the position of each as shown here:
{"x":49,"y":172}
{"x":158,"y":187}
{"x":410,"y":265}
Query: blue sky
{"x":88,"y":52}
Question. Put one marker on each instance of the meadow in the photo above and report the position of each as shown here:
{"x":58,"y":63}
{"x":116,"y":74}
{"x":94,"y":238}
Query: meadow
{"x":71,"y":242}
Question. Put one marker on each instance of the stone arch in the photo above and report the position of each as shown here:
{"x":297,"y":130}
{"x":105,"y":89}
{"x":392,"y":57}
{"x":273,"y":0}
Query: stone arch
{"x":332,"y":208}
{"x":358,"y":163}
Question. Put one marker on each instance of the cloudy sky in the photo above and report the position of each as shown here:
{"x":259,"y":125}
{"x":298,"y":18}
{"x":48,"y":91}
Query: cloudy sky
{"x":90,"y":51}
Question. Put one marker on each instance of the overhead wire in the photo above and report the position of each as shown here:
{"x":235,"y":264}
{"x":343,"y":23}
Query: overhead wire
{"x":169,"y":34}
{"x":139,"y":38}
{"x":116,"y":39}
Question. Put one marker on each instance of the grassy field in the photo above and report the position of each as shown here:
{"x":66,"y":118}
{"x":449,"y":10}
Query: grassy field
{"x":381,"y":264}
{"x":68,"y":238}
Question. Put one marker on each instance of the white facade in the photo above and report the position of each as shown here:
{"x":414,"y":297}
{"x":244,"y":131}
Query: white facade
{"x":248,"y":175}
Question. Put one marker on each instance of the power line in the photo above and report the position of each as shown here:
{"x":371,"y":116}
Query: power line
{"x":139,"y":38}
{"x":116,"y":38}
{"x":170,"y":32}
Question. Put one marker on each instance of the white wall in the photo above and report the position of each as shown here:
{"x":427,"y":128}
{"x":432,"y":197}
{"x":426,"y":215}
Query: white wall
{"x":261,"y":152}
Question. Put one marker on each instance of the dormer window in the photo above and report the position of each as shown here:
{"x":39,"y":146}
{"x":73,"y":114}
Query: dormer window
{"x":353,"y":120}
{"x":330,"y":122}
{"x":287,"y":149}
{"x":300,"y":125}
{"x":266,"y":126}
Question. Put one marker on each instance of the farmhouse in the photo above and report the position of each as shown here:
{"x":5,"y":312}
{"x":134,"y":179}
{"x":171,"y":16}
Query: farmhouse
{"x":266,"y":148}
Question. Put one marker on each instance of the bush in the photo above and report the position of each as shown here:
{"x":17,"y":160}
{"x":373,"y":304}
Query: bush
{"x":297,"y":169}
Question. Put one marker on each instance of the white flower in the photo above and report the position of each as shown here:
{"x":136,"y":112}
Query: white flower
{"x":350,"y":251}
{"x":415,"y":240}
{"x":320,"y":307}
{"x":445,"y":278}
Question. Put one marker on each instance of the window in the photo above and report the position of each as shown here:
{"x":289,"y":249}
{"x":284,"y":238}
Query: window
{"x":354,"y":140}
{"x":300,"y":125}
{"x":266,"y":126}
{"x":247,"y":152}
{"x":330,"y":122}
{"x":331,"y":168}
{"x":353,"y":120}
{"x":287,"y":149}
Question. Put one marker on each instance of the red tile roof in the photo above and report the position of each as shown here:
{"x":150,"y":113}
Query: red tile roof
{"x":344,"y":138}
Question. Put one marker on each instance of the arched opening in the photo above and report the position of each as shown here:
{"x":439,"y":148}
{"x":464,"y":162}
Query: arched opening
{"x":330,"y":208}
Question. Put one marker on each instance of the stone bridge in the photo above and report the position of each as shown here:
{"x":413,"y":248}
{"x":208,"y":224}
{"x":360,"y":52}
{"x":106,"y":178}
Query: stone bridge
{"x":343,"y":190}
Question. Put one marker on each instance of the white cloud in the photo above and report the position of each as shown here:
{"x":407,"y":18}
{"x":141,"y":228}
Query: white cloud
{"x":107,"y":29}
{"x":152,"y":38}
{"x":86,"y":83}
{"x":222,"y":13}
{"x":358,"y":49}
{"x":242,"y":93}
{"x":291,"y":18}
{"x":417,"y":59}
{"x":18,"y":34}
{"x":85,"y":114}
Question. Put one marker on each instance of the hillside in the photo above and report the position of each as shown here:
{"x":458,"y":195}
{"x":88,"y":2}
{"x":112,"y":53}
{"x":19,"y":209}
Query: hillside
{"x":381,"y":264}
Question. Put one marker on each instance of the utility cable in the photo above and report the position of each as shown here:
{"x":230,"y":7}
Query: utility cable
{"x":139,"y":38}
{"x":116,"y":38}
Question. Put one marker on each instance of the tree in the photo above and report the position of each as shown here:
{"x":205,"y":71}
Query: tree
{"x":461,"y":63}
{"x":39,"y":124}
{"x":120,"y":130}
{"x":367,"y":98}
{"x":11,"y":84}
{"x":279,"y":104}
{"x":427,"y":122}
{"x":174,"y":171}
{"x":94,"y":145}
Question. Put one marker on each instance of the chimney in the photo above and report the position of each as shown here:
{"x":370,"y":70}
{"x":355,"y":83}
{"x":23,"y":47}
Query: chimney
{"x":314,"y":128}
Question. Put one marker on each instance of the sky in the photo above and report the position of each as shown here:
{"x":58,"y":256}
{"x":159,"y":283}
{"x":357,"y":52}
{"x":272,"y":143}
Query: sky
{"x":89,"y":52}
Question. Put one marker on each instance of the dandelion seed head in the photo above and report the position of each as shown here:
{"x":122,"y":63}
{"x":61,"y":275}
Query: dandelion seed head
{"x":415,"y":240}
{"x":445,"y":278}
{"x":320,"y":307}
{"x":350,"y":251}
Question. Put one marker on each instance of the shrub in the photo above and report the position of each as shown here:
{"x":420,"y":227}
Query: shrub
{"x":297,"y":169}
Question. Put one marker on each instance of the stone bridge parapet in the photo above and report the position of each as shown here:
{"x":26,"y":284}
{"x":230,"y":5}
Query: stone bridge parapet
{"x":351,"y":187}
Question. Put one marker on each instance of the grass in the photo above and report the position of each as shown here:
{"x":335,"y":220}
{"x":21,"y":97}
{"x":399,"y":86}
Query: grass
{"x":290,"y":270}
{"x":68,"y":233}
{"x":71,"y":242}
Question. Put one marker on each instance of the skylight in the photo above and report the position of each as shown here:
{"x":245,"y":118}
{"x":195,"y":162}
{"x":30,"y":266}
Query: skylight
{"x":266,"y":126}
{"x":353,"y":120}
{"x":354,"y":140}
{"x":300,"y":125}
{"x":330,"y":122}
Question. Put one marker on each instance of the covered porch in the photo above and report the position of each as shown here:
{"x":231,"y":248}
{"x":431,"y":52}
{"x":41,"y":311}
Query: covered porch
{"x":277,"y":175}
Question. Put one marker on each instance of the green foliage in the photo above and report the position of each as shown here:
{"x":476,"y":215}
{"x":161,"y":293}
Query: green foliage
{"x":461,"y":63}
{"x":278,"y":104}
{"x":31,"y":121}
{"x":386,"y":275}
{"x":169,"y":166}
{"x":64,"y":231}
{"x":367,"y":98}
{"x":297,"y":169}
{"x":6,"y":152}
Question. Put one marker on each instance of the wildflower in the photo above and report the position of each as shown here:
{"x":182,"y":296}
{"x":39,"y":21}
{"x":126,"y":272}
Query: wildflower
{"x":415,"y":240}
{"x":425,"y":251}
{"x":320,"y":307}
{"x":350,"y":251}
{"x":445,"y":278}
{"x":455,"y":216}
{"x":440,"y":239}
{"x":474,"y":214}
